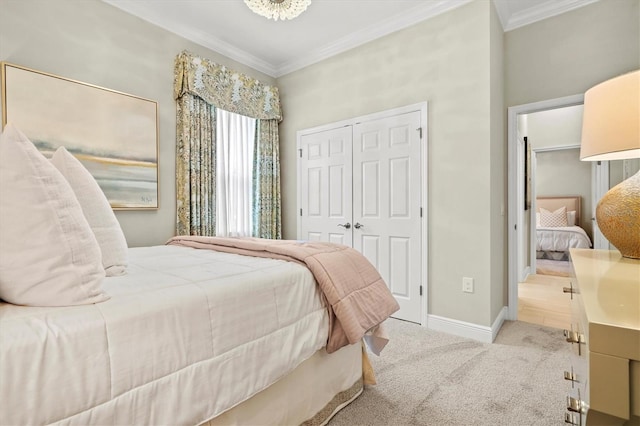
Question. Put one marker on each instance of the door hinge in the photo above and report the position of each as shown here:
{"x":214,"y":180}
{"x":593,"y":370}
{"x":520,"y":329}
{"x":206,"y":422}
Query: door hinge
{"x":300,"y":212}
{"x":420,"y":211}
{"x":419,"y":129}
{"x":300,"y":152}
{"x":420,"y":290}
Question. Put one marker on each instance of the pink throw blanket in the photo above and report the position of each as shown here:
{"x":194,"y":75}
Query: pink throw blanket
{"x":357,"y":296}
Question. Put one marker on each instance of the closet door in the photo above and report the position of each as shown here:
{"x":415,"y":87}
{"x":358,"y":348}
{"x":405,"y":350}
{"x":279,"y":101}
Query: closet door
{"x":325,"y":186}
{"x":387,"y":207}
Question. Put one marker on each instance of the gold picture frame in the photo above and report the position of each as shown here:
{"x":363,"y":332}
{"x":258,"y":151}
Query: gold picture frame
{"x":113,"y":134}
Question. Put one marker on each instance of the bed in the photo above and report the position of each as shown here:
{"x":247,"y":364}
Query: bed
{"x":196,"y":331}
{"x":558,"y":227}
{"x":188,"y":337}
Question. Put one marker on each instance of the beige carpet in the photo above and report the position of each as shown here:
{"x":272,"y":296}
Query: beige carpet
{"x":431,"y":378}
{"x":558,"y":268}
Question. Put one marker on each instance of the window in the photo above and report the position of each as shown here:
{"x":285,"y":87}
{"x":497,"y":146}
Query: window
{"x":235,"y":140}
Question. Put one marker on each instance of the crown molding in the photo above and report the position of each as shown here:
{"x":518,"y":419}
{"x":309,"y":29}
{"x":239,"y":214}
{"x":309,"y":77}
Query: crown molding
{"x":398,"y":22}
{"x":228,"y":50}
{"x":542,"y":11}
{"x":198,"y":37}
{"x":509,"y":21}
{"x":502,"y":7}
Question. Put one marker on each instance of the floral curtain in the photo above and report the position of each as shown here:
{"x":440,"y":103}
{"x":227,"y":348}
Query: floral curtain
{"x":200,"y":86}
{"x":195,"y":167}
{"x":267,"y":222}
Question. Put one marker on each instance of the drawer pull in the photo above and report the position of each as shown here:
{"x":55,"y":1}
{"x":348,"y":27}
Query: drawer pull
{"x":570,"y":377}
{"x":572,"y":336}
{"x":570,"y":418}
{"x":570,"y":289}
{"x":574,"y":405}
{"x":575,"y":337}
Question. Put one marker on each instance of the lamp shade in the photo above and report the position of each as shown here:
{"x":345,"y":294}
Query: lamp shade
{"x":611,"y":119}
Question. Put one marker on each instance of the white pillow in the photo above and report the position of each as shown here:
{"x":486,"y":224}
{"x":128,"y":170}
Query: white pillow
{"x":554,"y":219}
{"x":97,"y":211}
{"x":571,"y":218}
{"x":48,"y":254}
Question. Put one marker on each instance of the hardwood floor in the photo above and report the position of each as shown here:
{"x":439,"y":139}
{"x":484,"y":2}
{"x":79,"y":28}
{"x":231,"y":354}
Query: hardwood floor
{"x":541,"y":301}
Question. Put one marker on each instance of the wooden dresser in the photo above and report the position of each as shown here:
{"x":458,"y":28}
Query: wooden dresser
{"x":604,"y":378}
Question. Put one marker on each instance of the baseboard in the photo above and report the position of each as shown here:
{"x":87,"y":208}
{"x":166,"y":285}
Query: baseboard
{"x":527,"y":272}
{"x":466,"y":329}
{"x":497,"y":324}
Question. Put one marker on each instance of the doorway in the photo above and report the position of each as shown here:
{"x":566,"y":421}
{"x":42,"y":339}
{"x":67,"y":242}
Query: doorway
{"x":521,"y":221}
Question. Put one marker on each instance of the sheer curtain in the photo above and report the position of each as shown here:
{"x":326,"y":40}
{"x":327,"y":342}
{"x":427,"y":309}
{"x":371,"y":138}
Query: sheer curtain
{"x":235,"y":139}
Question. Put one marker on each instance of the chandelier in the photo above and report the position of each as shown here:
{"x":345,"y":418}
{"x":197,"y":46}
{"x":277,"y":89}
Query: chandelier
{"x":278,"y":9}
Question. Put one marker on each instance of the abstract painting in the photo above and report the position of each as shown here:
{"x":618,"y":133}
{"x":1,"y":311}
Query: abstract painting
{"x":113,"y":134}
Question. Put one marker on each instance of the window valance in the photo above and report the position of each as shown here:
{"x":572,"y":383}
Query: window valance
{"x":224,"y":88}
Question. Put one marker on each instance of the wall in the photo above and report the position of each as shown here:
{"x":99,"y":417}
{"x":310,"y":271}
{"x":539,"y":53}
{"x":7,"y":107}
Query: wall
{"x":96,"y":43}
{"x":555,"y":128}
{"x":561,"y":173}
{"x":498,"y":158}
{"x":569,"y":53}
{"x":445,"y":61}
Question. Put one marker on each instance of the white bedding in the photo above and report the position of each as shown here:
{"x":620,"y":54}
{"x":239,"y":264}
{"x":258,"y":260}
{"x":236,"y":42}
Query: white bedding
{"x":561,"y":238}
{"x":186,"y":335}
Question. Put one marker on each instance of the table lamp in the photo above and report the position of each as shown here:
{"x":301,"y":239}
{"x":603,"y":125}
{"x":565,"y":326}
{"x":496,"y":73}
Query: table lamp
{"x":611,"y":131}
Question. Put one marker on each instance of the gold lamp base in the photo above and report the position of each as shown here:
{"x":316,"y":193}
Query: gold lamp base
{"x":618,"y":216}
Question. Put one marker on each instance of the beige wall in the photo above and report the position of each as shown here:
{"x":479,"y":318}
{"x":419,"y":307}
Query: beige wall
{"x":569,"y":53}
{"x":96,"y":43}
{"x":498,"y":158}
{"x":446,"y":61}
{"x":555,"y":128}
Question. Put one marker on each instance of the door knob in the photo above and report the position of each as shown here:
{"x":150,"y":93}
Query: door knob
{"x":358,"y":225}
{"x":345,"y":225}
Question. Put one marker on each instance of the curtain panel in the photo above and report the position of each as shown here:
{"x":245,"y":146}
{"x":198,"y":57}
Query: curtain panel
{"x":195,"y":167}
{"x":266,"y":181}
{"x":201,"y":86}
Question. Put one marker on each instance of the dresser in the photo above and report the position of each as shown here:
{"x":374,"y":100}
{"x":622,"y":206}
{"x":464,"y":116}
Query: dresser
{"x":603,"y":380}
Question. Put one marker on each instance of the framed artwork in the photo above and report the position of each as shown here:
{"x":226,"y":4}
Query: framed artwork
{"x":113,"y":134}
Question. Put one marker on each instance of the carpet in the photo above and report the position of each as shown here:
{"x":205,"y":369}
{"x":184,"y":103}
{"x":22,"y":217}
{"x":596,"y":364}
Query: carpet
{"x":431,"y":378}
{"x":558,"y":268}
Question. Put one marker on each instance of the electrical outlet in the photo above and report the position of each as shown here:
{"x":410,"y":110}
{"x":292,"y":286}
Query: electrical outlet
{"x":467,"y":284}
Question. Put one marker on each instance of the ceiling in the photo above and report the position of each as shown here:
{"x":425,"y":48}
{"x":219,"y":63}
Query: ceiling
{"x":326,"y":28}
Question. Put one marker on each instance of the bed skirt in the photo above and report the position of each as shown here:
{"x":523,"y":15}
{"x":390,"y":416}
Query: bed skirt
{"x":310,"y":395}
{"x":552,"y":255}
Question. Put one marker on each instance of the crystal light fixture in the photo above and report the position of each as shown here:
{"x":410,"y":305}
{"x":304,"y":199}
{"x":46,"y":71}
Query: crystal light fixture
{"x":278,"y":9}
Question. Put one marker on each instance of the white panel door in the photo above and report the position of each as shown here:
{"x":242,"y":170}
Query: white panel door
{"x":325,"y":185}
{"x":387,"y":207}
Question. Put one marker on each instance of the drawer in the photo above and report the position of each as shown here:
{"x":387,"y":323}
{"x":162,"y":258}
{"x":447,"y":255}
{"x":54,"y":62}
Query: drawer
{"x":609,"y":388}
